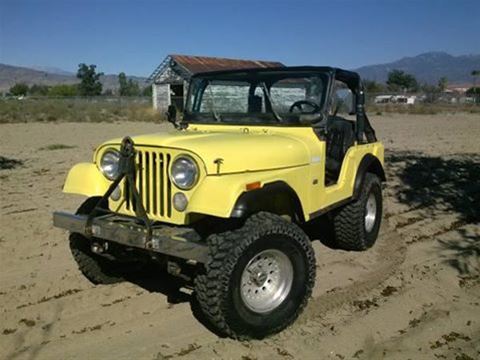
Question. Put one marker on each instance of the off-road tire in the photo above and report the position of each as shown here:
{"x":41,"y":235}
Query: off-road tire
{"x":218,"y":288}
{"x":349,"y":221}
{"x":97,"y":269}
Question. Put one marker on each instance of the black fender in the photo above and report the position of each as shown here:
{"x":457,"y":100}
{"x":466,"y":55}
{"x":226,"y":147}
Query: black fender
{"x":276,"y":197}
{"x":369,"y":163}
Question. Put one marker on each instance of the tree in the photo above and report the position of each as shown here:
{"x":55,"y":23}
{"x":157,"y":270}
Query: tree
{"x":38,"y":90}
{"x":64,"y":90}
{"x":19,"y":89}
{"x":399,"y":80}
{"x":90,"y":84}
{"x":147,"y":91}
{"x":432,"y":92}
{"x":122,"y":82}
{"x":475,"y":74}
{"x":442,"y":84}
{"x":127,"y":87}
{"x":475,"y":93}
{"x":372,"y":86}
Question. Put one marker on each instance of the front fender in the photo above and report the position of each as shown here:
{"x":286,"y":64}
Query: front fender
{"x":86,"y":179}
{"x":218,"y":195}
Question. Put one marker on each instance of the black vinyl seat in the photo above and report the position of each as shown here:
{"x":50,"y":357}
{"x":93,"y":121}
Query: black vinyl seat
{"x":340,"y":137}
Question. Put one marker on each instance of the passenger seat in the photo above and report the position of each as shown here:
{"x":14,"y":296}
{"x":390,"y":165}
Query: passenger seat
{"x":340,"y":137}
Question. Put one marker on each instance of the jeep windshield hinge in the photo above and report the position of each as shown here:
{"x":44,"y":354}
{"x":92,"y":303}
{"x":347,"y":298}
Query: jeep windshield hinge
{"x":127,"y":170}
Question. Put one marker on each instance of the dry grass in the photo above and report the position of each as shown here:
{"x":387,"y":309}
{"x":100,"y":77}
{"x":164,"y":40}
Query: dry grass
{"x":77,"y":110}
{"x":140,"y":109}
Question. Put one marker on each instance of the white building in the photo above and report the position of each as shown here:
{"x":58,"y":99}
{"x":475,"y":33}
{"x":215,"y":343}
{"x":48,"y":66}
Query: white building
{"x":395,"y":99}
{"x":170,"y":79}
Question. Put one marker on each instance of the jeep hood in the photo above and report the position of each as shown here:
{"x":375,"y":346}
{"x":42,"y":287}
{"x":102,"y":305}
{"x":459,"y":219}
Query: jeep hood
{"x":240,"y":152}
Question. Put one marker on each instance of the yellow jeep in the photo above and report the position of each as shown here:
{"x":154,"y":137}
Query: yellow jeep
{"x":222,"y":199}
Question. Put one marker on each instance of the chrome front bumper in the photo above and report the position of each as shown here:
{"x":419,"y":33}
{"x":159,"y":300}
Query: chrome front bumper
{"x":175,"y":241}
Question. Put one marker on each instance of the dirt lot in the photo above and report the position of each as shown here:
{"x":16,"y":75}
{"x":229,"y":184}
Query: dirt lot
{"x":415,"y":295}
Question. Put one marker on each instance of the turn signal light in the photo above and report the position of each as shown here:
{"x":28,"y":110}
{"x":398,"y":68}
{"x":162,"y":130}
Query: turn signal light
{"x":254,"y":185}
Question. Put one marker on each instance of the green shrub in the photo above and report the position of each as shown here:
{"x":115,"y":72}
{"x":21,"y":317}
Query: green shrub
{"x":19,"y":89}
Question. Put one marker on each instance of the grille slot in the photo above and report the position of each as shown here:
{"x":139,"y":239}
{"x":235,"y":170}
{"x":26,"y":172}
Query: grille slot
{"x":152,"y":183}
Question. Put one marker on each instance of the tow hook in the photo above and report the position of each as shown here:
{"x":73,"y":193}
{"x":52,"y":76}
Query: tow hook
{"x":99,"y":248}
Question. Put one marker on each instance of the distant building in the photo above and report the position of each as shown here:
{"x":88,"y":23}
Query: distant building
{"x":170,"y":79}
{"x":458,"y":88}
{"x":395,"y":99}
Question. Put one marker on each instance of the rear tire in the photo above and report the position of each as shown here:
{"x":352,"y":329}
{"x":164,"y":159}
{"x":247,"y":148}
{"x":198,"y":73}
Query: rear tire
{"x":356,"y":225}
{"x":96,"y":268}
{"x":268,"y":256}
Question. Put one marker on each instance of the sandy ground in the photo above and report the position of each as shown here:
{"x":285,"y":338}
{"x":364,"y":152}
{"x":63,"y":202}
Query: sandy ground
{"x":415,"y":295}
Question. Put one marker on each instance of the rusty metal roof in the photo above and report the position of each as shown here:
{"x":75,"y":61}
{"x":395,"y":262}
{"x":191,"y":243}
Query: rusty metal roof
{"x":196,"y":64}
{"x":190,"y":65}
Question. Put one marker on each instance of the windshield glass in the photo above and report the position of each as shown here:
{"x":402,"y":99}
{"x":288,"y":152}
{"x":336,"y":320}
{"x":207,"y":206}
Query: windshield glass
{"x":259,"y":97}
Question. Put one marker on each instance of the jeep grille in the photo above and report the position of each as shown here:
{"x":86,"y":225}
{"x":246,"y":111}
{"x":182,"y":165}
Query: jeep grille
{"x":153,"y":183}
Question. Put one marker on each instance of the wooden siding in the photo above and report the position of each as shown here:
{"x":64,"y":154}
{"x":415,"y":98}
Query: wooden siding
{"x":161,"y":96}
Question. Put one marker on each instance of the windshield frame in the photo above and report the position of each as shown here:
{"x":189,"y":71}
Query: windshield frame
{"x":269,"y":118}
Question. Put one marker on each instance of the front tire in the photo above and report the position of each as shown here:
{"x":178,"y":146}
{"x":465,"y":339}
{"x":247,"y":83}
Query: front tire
{"x":96,"y":268}
{"x":356,"y":225}
{"x":258,"y":278}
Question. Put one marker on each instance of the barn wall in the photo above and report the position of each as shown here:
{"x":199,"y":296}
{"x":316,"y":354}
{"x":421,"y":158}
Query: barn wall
{"x":168,"y":76}
{"x":161,"y":96}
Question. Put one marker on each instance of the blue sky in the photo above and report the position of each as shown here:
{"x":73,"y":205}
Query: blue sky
{"x":134,"y":36}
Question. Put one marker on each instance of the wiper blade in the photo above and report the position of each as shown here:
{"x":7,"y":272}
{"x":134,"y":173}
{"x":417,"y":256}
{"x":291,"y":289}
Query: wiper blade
{"x":267,"y":94}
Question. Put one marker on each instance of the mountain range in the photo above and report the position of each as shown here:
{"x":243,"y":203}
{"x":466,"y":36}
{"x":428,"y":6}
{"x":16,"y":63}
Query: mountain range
{"x":427,"y":68}
{"x":10,"y":74}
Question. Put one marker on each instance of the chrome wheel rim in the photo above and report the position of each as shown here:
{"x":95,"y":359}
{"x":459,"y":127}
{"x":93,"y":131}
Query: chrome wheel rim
{"x":370,"y":212}
{"x":266,"y":281}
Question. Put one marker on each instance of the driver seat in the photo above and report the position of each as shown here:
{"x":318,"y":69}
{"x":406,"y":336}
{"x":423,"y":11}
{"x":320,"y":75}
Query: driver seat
{"x":340,"y":137}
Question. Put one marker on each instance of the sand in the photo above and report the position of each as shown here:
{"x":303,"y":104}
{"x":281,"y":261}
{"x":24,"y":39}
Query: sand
{"x":416,"y":294}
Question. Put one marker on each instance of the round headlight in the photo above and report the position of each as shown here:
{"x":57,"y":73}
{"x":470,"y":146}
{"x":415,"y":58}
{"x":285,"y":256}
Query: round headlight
{"x":184,"y":172}
{"x":109,"y":164}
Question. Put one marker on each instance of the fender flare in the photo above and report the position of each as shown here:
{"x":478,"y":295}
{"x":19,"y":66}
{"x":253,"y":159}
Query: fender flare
{"x":85,"y":179}
{"x":369,"y":163}
{"x":271,"y":197}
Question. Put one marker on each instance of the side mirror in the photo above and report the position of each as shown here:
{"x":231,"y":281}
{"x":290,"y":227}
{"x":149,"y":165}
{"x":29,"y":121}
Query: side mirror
{"x":171,"y":115}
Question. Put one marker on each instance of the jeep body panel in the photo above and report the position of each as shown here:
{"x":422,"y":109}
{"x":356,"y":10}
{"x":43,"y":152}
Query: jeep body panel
{"x":294,"y":156}
{"x":241,"y":149}
{"x":86,"y":179}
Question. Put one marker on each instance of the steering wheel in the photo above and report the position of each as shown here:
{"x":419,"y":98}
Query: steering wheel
{"x":300,"y":103}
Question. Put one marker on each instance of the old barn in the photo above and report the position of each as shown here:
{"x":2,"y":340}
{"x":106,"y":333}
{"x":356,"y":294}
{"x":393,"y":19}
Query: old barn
{"x":170,"y":79}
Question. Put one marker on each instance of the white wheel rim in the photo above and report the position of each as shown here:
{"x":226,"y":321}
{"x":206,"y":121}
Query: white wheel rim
{"x":370,"y":212}
{"x":266,"y":281}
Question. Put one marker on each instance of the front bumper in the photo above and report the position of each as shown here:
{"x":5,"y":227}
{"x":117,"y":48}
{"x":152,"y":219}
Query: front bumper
{"x":175,"y":241}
